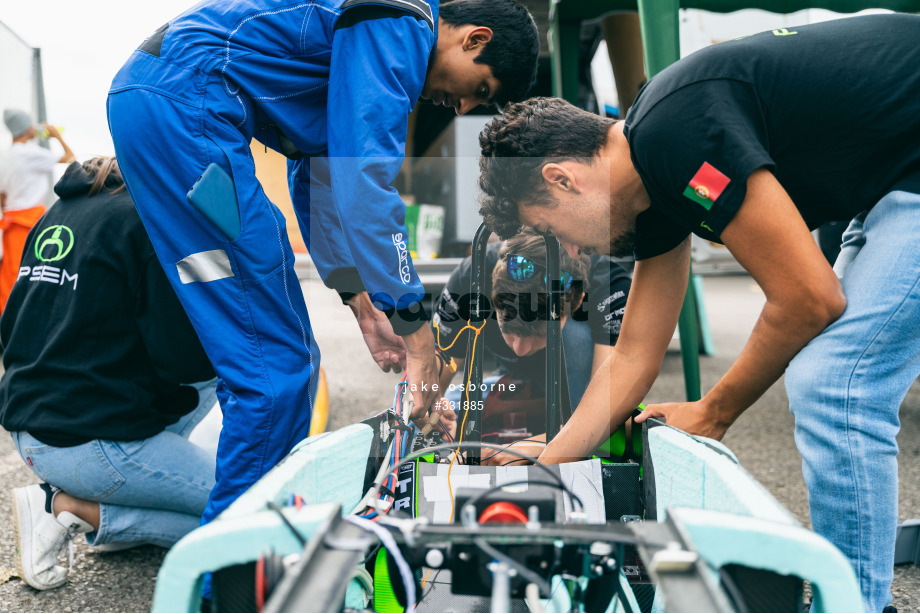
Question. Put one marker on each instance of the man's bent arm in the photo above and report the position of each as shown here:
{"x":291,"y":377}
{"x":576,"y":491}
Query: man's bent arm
{"x":769,"y":238}
{"x":377,"y":72}
{"x":601,"y":354}
{"x":619,"y":385}
{"x":387,"y":350}
{"x":69,"y":155}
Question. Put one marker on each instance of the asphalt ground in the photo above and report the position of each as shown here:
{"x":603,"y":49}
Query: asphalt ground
{"x":762,"y":439}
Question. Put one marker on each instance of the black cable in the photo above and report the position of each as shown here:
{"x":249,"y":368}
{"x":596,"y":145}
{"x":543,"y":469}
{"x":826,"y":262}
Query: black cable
{"x":373,"y":552}
{"x":443,"y":362}
{"x":525,"y":573}
{"x":430,"y":586}
{"x":468,"y":445}
{"x":513,"y":443}
{"x":517,"y":460}
{"x":303,"y":540}
{"x":482,"y":494}
{"x":574,"y":532}
{"x":521,"y":569}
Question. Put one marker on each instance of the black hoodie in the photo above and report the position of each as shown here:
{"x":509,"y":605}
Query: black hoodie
{"x":95,"y":342}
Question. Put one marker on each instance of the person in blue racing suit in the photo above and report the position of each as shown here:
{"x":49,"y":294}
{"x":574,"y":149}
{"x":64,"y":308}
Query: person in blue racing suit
{"x":330,"y":84}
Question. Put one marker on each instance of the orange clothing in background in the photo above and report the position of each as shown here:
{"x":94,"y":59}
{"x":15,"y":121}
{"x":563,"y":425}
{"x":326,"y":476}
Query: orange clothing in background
{"x":16,"y":225}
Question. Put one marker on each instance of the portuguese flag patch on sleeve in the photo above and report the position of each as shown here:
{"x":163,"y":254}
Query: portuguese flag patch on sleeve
{"x":706,"y":186}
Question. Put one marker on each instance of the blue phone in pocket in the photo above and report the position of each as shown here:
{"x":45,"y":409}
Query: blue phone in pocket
{"x":214,"y":196}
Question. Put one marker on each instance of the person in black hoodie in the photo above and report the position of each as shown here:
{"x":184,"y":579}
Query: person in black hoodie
{"x":98,"y":355}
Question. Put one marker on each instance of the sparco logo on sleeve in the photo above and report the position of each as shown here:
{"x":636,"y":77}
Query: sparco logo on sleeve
{"x":403,"y":254}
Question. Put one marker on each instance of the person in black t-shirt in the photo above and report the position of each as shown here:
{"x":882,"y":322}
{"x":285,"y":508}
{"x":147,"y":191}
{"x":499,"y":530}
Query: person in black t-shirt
{"x":514,"y":335}
{"x":104,"y":381}
{"x":752,"y":143}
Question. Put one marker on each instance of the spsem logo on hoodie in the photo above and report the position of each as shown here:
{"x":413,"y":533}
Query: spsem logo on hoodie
{"x":403,"y":254}
{"x":52,"y":244}
{"x":58,"y":244}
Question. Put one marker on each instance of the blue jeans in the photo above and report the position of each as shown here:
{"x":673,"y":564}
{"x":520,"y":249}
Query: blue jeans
{"x":846,"y":387}
{"x":151,"y":491}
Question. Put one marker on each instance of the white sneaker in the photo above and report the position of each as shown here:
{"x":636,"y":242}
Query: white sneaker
{"x":40,"y":536}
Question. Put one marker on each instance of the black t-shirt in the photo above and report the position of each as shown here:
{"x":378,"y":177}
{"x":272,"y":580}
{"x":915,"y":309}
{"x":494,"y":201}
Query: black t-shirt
{"x":832,"y":109}
{"x":607,"y":288}
{"x":95,"y":342}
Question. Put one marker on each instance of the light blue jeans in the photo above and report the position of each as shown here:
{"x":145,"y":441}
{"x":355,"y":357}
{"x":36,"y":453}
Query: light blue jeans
{"x":151,"y":491}
{"x":846,"y":387}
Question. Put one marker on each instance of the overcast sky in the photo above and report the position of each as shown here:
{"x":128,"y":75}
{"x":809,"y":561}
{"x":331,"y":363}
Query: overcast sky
{"x":83,"y":44}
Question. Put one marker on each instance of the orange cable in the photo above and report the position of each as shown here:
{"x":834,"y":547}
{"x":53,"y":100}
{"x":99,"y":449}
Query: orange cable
{"x":469,"y":376}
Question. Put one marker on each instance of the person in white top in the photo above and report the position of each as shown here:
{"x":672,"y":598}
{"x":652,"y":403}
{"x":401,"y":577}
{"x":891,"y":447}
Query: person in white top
{"x":24,"y":184}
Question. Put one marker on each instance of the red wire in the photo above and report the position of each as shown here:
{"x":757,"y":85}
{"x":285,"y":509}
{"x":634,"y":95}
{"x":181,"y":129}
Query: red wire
{"x":260,"y":583}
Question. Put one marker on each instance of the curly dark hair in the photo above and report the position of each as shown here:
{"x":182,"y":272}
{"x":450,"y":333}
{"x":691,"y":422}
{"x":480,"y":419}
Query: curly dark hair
{"x":514,"y":50}
{"x":519,"y":142}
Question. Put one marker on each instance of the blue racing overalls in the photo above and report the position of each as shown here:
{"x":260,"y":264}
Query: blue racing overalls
{"x":330,"y":83}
